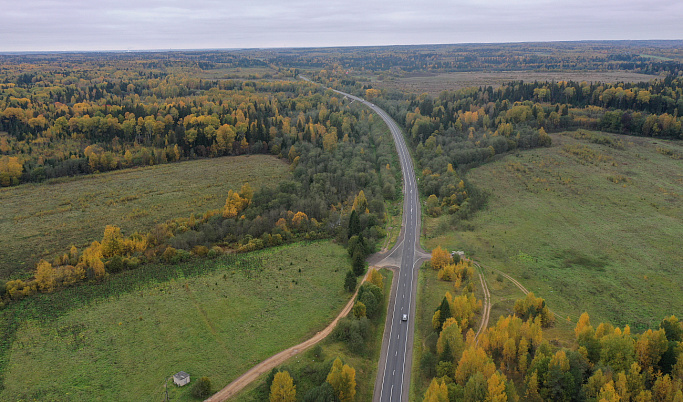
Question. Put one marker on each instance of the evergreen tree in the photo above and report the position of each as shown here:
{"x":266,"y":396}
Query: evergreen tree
{"x":354,"y":224}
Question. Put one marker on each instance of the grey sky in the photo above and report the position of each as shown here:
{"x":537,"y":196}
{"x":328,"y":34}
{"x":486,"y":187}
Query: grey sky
{"x":34,"y":25}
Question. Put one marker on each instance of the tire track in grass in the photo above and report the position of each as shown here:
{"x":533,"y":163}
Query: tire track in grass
{"x":487,"y":303}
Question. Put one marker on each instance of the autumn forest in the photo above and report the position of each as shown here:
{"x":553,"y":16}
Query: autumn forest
{"x":71,"y":117}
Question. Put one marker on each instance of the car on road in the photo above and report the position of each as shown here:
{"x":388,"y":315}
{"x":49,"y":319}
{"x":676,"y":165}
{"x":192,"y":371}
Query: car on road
{"x":405,"y":317}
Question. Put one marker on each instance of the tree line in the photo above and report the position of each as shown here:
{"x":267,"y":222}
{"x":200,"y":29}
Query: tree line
{"x":346,"y":181}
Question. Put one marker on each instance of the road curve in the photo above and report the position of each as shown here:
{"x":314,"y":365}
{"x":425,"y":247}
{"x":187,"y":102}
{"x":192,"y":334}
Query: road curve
{"x":393,"y":375}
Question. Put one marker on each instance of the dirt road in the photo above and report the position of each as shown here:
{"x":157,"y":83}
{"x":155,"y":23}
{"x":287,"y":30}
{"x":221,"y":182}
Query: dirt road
{"x":270,"y":363}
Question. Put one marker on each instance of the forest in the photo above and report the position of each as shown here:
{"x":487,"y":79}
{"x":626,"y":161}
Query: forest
{"x":58,"y":122}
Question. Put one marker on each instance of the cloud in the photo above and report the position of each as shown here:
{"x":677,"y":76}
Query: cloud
{"x":33,"y":25}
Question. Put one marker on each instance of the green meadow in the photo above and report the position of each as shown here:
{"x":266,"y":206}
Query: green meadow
{"x":593,"y":223}
{"x":121,"y":339}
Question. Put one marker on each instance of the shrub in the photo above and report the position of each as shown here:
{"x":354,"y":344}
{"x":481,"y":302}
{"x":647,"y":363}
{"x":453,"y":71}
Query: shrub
{"x":169,"y":254}
{"x":202,"y":388}
{"x":214,"y":252}
{"x":115,"y":264}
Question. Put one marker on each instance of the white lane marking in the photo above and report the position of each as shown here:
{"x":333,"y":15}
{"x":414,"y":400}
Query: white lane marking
{"x":405,"y":348}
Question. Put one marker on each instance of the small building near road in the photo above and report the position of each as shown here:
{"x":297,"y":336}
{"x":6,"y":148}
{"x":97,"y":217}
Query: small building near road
{"x":181,"y":378}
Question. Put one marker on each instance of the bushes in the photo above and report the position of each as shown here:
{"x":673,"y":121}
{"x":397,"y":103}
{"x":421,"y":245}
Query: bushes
{"x":202,"y":388}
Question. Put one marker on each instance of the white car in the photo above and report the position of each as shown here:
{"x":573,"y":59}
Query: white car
{"x":405,"y":317}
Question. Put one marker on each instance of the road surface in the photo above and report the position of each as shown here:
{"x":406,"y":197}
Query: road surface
{"x":393,"y":375}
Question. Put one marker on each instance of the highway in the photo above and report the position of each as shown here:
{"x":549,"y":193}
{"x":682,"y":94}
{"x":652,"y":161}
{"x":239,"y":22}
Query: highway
{"x":393,"y":375}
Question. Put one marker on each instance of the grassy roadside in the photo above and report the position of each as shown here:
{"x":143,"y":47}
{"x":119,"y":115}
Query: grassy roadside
{"x":40,"y":220}
{"x":306,"y":365}
{"x":122,"y":339}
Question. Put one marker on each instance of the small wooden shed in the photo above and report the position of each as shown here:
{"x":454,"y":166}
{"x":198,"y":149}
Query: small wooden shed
{"x":181,"y":378}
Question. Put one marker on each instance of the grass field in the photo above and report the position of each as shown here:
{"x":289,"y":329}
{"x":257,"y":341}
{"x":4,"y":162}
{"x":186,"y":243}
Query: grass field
{"x":120,"y":340}
{"x":434,"y":84}
{"x":592,"y":223}
{"x":40,"y":220}
{"x":306,"y":364}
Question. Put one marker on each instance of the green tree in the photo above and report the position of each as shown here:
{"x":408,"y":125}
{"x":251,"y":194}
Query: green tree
{"x":476,"y":388}
{"x":354,"y":224}
{"x":358,"y":263}
{"x":322,"y":393}
{"x":444,"y":313}
{"x":350,"y":281}
{"x":202,"y":388}
{"x":359,"y":310}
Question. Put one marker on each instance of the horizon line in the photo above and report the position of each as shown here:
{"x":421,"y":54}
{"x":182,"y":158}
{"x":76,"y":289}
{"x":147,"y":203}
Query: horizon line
{"x":233,"y":49}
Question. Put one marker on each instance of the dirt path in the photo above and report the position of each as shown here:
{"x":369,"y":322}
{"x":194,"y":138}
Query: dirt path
{"x":514,"y":281}
{"x":270,"y":363}
{"x":487,"y":303}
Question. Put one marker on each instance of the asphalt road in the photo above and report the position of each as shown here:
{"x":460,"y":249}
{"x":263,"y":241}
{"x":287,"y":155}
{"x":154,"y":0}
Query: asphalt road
{"x":393,"y":376}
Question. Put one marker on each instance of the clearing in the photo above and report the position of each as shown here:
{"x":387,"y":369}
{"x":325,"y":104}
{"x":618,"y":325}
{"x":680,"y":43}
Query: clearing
{"x":120,"y":340}
{"x":436,"y":83}
{"x":592,"y":223}
{"x":40,"y":220}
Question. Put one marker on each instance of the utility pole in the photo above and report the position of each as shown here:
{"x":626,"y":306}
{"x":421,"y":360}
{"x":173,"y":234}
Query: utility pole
{"x":166,"y":387}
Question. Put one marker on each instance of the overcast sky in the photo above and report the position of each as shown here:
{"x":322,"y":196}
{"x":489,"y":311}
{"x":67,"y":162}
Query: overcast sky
{"x":36,"y":25}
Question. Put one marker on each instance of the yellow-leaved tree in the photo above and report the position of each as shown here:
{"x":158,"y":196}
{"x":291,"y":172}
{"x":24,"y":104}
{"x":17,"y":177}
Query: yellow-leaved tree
{"x":360,"y":203}
{"x":440,"y":258}
{"x":45,"y":276}
{"x":437,"y":392}
{"x":376,"y":278}
{"x":343,"y":380}
{"x":283,"y":388}
{"x":234,"y":204}
{"x":496,"y":388}
{"x":112,"y":241}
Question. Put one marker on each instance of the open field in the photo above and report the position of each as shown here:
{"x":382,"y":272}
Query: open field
{"x":436,"y":83}
{"x":40,"y":220}
{"x":306,"y":366}
{"x":120,"y":340}
{"x":592,"y":223}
